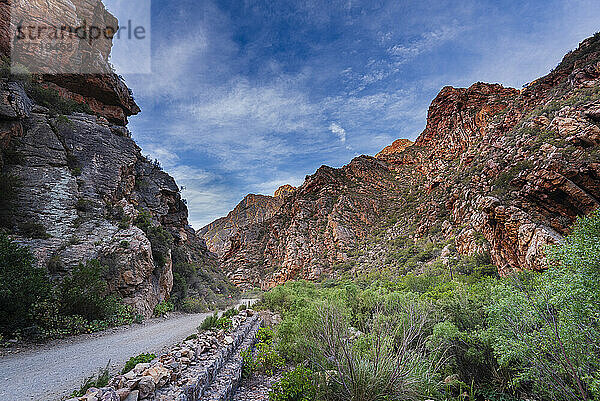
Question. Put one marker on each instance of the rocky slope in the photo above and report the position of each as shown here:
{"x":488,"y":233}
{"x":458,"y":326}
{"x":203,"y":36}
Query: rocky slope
{"x":497,"y":171}
{"x":76,"y":187}
{"x":252,"y":209}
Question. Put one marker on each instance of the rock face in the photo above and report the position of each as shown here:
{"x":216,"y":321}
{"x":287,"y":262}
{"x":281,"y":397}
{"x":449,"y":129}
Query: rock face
{"x":252,"y":209}
{"x":81,"y":184}
{"x":73,"y":185}
{"x":80,"y":70}
{"x":398,"y":146}
{"x":500,"y":171}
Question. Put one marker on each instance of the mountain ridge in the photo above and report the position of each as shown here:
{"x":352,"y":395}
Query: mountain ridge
{"x":498,"y":171}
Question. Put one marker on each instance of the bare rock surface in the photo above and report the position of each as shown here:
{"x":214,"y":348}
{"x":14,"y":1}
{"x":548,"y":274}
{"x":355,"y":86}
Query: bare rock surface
{"x":499,"y":171}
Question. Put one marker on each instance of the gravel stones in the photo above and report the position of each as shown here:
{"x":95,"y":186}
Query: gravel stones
{"x":189,"y":368}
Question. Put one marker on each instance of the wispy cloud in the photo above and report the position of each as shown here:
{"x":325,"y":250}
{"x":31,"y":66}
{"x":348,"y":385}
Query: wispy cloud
{"x":338,"y":131}
{"x":426,"y":42}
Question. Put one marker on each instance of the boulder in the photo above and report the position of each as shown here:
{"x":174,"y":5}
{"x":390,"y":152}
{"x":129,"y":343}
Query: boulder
{"x":146,"y":387}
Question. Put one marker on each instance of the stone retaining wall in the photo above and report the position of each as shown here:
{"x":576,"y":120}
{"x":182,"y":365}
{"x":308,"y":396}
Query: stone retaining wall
{"x":204,"y":383}
{"x":205,"y":366}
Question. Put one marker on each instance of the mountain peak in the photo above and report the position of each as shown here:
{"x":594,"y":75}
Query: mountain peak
{"x":398,"y":146}
{"x":284,"y":190}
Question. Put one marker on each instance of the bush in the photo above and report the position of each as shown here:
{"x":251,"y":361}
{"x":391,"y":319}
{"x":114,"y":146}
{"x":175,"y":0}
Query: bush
{"x":229,"y":313}
{"x":193,"y":305}
{"x":296,"y":385}
{"x":163,"y":309}
{"x":99,"y":381}
{"x":266,"y":359}
{"x":214,"y":322}
{"x":209,"y":322}
{"x":224,"y":323}
{"x":546,"y":325}
{"x":84,"y":292}
{"x":160,"y":239}
{"x":8,"y":196}
{"x":389,"y":362}
{"x":34,"y":231}
{"x":134,"y":360}
{"x":22,"y":285}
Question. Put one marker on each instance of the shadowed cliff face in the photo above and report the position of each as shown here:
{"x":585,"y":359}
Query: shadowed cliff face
{"x":498,"y":170}
{"x":76,"y":187}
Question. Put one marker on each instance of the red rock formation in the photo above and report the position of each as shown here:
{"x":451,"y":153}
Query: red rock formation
{"x":82,"y":71}
{"x":252,"y":209}
{"x":458,"y":117}
{"x":499,"y":170}
{"x":284,"y":190}
{"x":398,"y":146}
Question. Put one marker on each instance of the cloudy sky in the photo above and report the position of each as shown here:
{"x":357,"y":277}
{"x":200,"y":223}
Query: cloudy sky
{"x":245,"y":96}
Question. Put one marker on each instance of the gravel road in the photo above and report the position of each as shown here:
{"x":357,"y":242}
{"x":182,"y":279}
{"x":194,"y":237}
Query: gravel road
{"x":50,"y":372}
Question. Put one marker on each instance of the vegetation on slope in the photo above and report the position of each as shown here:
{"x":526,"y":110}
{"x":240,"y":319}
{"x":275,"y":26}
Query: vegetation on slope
{"x":472,"y":336}
{"x":33,"y":306}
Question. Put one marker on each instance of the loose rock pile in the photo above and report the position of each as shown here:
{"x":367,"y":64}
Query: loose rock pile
{"x":189,"y":371}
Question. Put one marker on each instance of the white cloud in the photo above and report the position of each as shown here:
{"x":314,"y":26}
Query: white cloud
{"x":276,"y":106}
{"x":427,"y":42}
{"x":338,"y":131}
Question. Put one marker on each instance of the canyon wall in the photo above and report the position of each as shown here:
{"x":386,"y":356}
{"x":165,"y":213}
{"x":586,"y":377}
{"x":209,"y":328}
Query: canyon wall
{"x":497,"y":171}
{"x":75,"y":185}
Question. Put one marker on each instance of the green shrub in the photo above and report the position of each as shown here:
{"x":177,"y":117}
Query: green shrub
{"x":8,"y":197}
{"x":134,"y":360}
{"x":193,"y":305}
{"x":163,"y":308}
{"x":85,"y":293}
{"x":83,"y":205}
{"x":160,"y":239}
{"x":296,"y":385}
{"x":22,"y":285}
{"x":229,"y":313}
{"x":248,"y":363}
{"x":99,"y":381}
{"x":34,"y":230}
{"x":209,"y":322}
{"x":224,"y":323}
{"x":545,"y":325}
{"x":267,"y":359}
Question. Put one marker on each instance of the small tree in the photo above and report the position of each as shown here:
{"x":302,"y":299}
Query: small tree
{"x":22,"y":285}
{"x":547,"y":324}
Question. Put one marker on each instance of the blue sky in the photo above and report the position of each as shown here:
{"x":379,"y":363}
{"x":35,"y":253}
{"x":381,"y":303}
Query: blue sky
{"x":245,"y":96}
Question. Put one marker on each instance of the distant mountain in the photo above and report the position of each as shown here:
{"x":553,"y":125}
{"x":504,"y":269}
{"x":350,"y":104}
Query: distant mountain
{"x":252,"y":209}
{"x":497,"y":171}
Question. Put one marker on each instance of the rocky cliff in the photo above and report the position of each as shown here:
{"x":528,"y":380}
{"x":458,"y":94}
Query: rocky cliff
{"x":252,"y":209}
{"x":497,"y":171}
{"x":75,"y":186}
{"x":80,"y":70}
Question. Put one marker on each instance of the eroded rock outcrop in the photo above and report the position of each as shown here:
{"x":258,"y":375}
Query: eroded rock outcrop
{"x":80,"y":70}
{"x":497,"y":170}
{"x":252,"y":209}
{"x":76,"y":187}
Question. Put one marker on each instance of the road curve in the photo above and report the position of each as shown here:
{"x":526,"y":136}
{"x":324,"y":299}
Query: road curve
{"x":49,"y":373}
